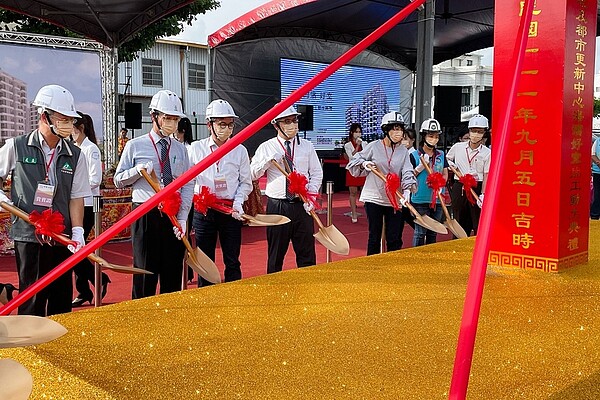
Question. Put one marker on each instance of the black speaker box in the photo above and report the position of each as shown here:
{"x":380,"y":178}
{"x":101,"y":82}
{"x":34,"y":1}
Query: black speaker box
{"x":133,"y":115}
{"x":447,"y":104}
{"x":305,"y":120}
{"x":485,"y":104}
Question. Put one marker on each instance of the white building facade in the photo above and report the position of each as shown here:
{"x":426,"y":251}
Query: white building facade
{"x":14,"y":107}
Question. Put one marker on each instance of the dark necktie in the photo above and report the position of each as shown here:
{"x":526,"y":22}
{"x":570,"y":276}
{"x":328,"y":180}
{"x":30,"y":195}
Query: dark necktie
{"x":167,"y":177}
{"x":290,"y":167}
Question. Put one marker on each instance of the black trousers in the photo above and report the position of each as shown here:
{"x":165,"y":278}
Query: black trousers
{"x":156,"y":249}
{"x":299,"y":230}
{"x":84,"y":270}
{"x":33,"y":262}
{"x":464,"y":212}
{"x":228,"y":230}
{"x":394,"y":226}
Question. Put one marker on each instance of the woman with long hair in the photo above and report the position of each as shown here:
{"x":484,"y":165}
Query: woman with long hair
{"x":353,"y":146}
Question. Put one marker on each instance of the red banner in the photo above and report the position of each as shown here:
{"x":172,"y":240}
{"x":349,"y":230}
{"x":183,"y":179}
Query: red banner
{"x":543,"y":220}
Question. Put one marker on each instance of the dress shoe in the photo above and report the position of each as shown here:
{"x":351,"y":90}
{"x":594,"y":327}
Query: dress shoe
{"x":80,"y":301}
{"x":105,"y":281}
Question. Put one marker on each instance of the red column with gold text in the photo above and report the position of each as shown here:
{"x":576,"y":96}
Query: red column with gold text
{"x":542,"y":221}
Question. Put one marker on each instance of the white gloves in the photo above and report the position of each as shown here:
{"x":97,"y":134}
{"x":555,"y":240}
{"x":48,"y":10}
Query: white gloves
{"x":451,"y":164}
{"x":421,"y":165}
{"x":480,"y":201}
{"x":4,"y":198}
{"x":76,"y":236}
{"x":308,"y":207}
{"x":406,"y":200}
{"x":368,"y":165}
{"x":237,"y":212}
{"x":180,"y":233}
{"x":147,"y":166}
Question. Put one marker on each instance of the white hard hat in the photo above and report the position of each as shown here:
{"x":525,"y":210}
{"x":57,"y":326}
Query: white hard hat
{"x":392,"y":118}
{"x":55,"y":98}
{"x":479,"y":121}
{"x":167,"y":102}
{"x":430,"y":125}
{"x":288,"y":112}
{"x":219,"y":109}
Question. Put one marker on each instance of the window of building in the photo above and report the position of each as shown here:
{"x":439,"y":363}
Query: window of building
{"x":465,"y":99}
{"x":152,"y":72}
{"x":196,"y":76}
{"x":469,"y":63}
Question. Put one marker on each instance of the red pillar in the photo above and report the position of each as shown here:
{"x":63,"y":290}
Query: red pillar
{"x":542,"y":220}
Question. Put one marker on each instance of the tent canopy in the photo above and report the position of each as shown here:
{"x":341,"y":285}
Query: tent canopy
{"x":111,"y":22}
{"x":461,"y":26}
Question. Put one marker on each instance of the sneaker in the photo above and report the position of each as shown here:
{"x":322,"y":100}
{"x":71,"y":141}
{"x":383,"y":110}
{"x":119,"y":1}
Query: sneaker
{"x":354,"y":220}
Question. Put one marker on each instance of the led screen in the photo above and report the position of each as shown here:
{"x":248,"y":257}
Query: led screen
{"x":351,"y":94}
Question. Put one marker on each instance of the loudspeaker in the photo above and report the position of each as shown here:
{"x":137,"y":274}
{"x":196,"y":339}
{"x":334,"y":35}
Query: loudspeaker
{"x":447,"y":104}
{"x":485,"y":104}
{"x":133,"y":115}
{"x":305,"y":120}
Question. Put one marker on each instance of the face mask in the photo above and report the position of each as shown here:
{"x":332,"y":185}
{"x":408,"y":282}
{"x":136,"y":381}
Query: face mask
{"x":405,"y":143}
{"x":221,"y":134}
{"x":63,"y":128}
{"x":432,"y":142}
{"x":168,"y":126}
{"x":290,"y":130}
{"x":475,"y":137}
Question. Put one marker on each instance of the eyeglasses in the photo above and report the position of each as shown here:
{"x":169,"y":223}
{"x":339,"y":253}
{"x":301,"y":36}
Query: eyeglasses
{"x":289,"y":121}
{"x":225,"y":125}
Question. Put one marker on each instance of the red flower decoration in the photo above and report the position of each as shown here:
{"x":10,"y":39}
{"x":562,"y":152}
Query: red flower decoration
{"x":469,"y":182}
{"x":297,"y":185}
{"x":436,"y":182}
{"x":392,"y":184}
{"x":207,"y":199}
{"x":170,"y":205}
{"x":48,"y":222}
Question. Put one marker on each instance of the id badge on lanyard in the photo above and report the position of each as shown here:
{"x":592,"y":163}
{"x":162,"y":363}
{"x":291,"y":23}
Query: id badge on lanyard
{"x":43,"y":194}
{"x":220,"y":186}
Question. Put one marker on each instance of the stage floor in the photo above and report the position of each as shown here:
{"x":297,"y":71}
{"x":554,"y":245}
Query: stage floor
{"x":380,"y":327}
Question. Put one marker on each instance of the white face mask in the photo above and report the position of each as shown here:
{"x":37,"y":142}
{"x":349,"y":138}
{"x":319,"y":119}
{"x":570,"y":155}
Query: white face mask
{"x":475,"y":137}
{"x":168,"y":126}
{"x":432,"y":142}
{"x":290,"y":130}
{"x":221,"y":134}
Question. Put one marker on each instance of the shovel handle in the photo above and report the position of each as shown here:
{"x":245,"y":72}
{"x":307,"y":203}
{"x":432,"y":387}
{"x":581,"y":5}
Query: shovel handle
{"x":442,"y":201}
{"x":312,"y":212}
{"x":460,"y":175}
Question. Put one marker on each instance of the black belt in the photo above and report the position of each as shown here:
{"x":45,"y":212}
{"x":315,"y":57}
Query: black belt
{"x":294,"y":200}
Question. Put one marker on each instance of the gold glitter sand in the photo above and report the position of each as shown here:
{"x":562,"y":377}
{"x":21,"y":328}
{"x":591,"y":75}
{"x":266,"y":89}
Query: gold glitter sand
{"x":380,"y":327}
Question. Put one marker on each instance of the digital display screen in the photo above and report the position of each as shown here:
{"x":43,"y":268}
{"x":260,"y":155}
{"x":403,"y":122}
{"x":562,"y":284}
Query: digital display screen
{"x":352,"y":94}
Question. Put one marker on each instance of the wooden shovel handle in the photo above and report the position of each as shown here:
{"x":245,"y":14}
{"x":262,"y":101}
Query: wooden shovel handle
{"x":312,"y":212}
{"x":429,"y":171}
{"x":460,"y":175}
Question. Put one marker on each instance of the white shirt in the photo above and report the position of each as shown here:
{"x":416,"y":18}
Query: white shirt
{"x":94,"y":164}
{"x":146,"y":148}
{"x":305,"y":159}
{"x":468,"y":161}
{"x":233,"y":168}
{"x":81,"y":185}
{"x":396,"y":161}
{"x":350,"y":149}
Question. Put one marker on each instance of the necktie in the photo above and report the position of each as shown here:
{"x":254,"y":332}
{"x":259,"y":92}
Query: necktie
{"x":167,"y":177}
{"x":290,"y":167}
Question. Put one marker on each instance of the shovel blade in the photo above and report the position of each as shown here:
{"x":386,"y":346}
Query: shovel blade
{"x":456,"y":229}
{"x":333,"y":239}
{"x":28,"y":330}
{"x":204,"y":266}
{"x":16,"y":382}
{"x":427,"y":222}
{"x":123,"y":269}
{"x":266,"y":220}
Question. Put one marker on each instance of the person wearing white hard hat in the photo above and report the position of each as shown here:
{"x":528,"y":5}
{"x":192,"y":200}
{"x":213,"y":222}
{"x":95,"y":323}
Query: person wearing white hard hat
{"x":298,"y":155}
{"x":157,"y":245}
{"x":470,"y":158}
{"x":229,"y":179}
{"x":49,"y":172}
{"x":425,"y":200}
{"x":391,"y":158}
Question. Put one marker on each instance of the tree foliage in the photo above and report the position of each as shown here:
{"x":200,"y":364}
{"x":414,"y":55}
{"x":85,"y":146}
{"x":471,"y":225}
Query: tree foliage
{"x":169,"y":25}
{"x":596,"y":107}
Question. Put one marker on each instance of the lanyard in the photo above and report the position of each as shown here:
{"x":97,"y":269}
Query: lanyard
{"x":219,"y":160}
{"x":470,"y":159}
{"x":50,"y":162}
{"x":160,"y":160}
{"x":389,"y":159}
{"x":288,"y":155}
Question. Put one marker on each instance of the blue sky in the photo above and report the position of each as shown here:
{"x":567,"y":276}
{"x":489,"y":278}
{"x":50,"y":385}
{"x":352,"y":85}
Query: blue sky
{"x":78,"y":71}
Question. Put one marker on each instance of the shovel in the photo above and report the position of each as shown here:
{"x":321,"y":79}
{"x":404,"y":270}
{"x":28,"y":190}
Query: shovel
{"x":200,"y":262}
{"x":460,"y":175}
{"x":265,"y":219}
{"x":15,"y":380}
{"x":62,"y":239}
{"x":328,"y":236}
{"x":450,"y":222}
{"x":424,"y":220}
{"x":28,"y":330}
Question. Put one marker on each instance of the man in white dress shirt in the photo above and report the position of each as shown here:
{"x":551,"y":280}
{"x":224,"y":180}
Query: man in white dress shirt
{"x":298,"y":155}
{"x":229,"y":179}
{"x":155,"y":247}
{"x":470,"y":157}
